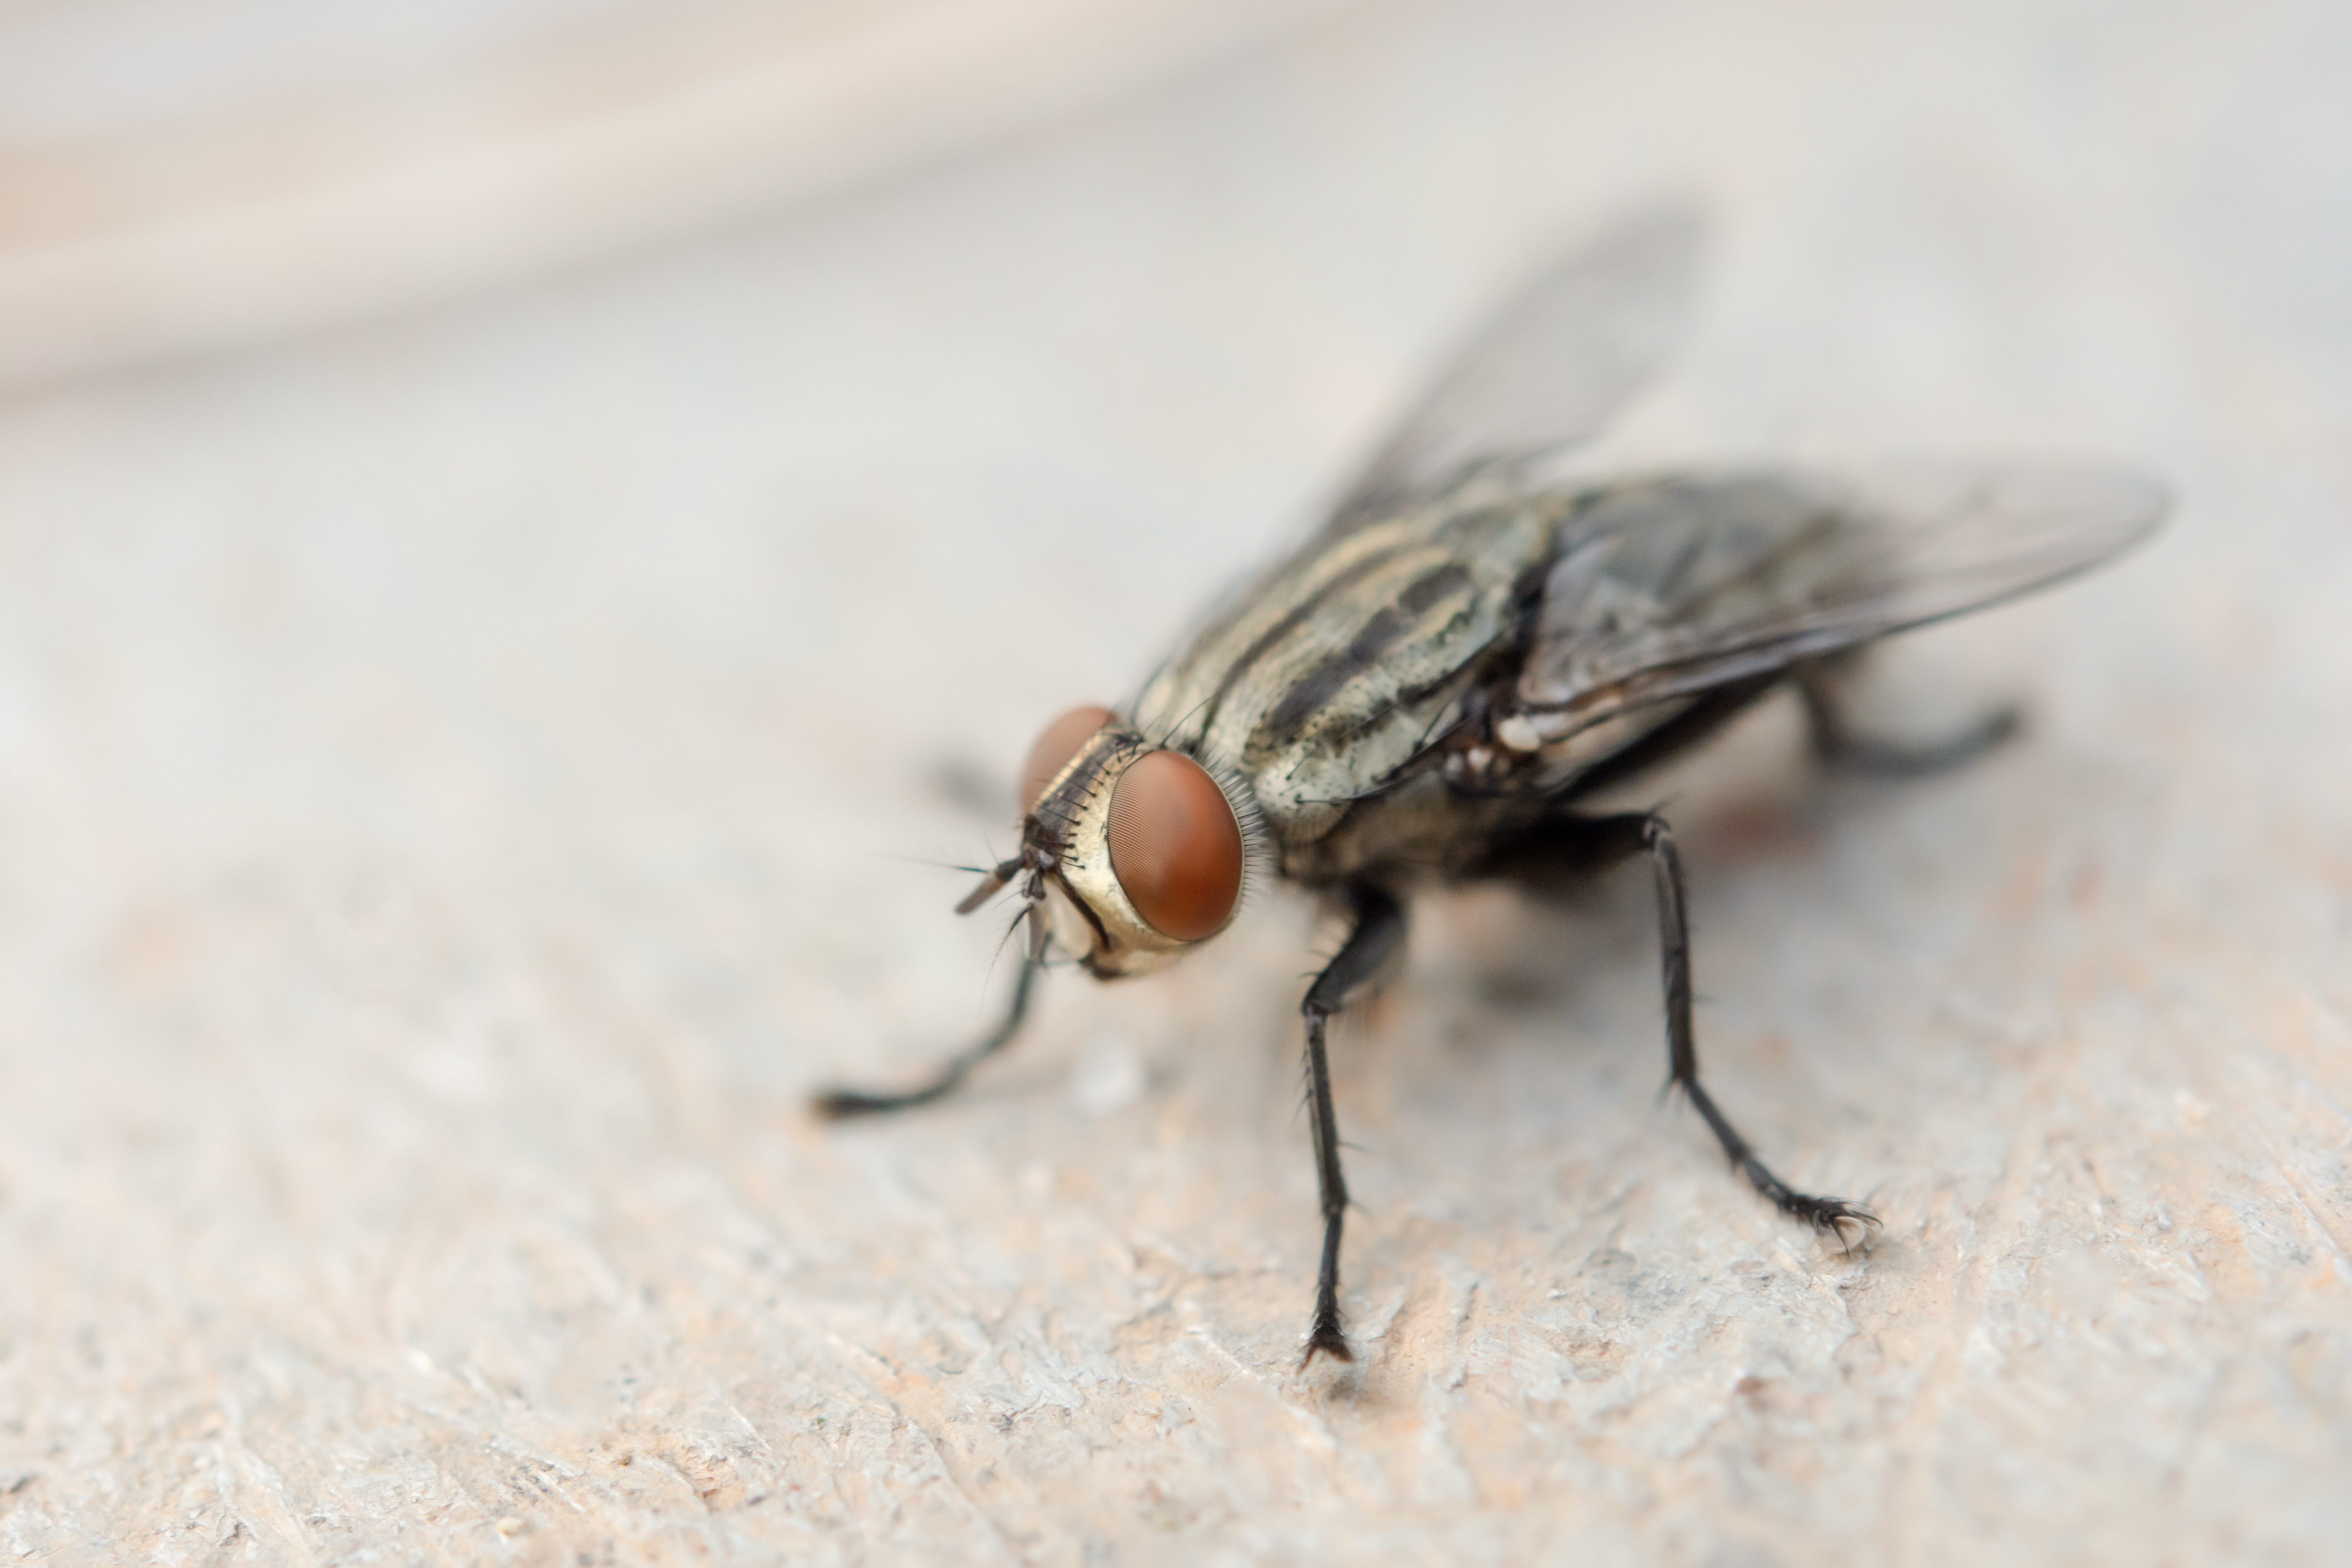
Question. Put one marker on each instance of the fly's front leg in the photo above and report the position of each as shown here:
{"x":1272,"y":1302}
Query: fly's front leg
{"x":1379,"y":928}
{"x":1650,"y":833}
{"x":1835,"y":743}
{"x":836,"y":1104}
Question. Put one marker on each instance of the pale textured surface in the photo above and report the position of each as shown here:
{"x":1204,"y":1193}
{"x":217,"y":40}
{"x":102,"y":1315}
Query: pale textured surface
{"x":449,"y":780}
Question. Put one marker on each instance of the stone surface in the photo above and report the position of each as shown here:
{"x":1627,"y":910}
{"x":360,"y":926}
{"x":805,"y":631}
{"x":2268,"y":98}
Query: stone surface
{"x":463,"y":782}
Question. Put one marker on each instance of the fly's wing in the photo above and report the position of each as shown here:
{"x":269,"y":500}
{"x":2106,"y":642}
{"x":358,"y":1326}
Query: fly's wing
{"x":1547,"y":371}
{"x":1540,"y":374}
{"x":1667,"y":589}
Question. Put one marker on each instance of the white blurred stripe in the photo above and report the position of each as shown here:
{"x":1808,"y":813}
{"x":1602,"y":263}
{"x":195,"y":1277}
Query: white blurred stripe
{"x":182,"y":239}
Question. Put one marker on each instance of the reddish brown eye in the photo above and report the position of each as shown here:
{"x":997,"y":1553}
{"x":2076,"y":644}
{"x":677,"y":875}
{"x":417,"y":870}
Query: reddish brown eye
{"x":1175,"y":846}
{"x":1055,"y":747}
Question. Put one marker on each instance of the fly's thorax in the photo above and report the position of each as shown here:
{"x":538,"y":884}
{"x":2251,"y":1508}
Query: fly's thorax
{"x":1335,"y":672}
{"x":1143,"y":850}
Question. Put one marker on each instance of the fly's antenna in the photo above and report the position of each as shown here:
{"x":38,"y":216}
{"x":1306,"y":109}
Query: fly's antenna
{"x":1040,"y":932}
{"x":992,"y":884}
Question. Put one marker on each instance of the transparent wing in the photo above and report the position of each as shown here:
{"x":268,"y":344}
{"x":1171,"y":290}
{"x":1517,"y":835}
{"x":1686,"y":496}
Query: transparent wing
{"x":1548,"y":370}
{"x":1666,"y":589}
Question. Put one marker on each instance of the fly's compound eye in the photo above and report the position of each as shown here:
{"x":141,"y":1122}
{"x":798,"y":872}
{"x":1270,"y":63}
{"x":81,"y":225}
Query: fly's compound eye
{"x":1055,"y":747}
{"x":1175,"y":846}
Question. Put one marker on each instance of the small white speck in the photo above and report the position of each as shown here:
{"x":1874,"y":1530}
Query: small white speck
{"x":509,"y":1527}
{"x":1518,"y":732}
{"x":1109,"y":1076}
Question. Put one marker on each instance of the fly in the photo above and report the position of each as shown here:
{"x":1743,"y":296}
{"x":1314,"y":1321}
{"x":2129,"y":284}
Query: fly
{"x":1435,"y":687}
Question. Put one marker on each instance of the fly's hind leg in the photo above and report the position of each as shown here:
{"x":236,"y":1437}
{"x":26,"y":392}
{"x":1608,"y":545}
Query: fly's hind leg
{"x":836,"y":1104}
{"x":1651,"y":832}
{"x":1571,"y":845}
{"x":1380,"y":927}
{"x":1836,"y":745}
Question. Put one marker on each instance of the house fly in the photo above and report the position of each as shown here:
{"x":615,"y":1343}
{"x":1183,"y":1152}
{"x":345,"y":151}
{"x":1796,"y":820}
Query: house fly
{"x":1436,"y":685}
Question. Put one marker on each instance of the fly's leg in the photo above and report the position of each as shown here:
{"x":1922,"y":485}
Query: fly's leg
{"x":1836,"y":745}
{"x":1650,"y":833}
{"x":1583,"y":845}
{"x":836,"y":1104}
{"x":1379,"y":928}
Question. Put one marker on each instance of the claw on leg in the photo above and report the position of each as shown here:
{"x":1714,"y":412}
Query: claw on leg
{"x":1327,"y":1339}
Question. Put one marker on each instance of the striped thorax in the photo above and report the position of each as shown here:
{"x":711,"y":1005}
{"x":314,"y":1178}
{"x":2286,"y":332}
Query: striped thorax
{"x":1337,"y":670}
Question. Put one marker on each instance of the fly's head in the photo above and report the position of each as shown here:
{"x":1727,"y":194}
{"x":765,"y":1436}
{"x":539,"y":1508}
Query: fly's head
{"x":1132,"y":854}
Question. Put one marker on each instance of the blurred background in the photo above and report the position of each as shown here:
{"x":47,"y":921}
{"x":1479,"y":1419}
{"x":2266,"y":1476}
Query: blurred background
{"x":185,"y":178}
{"x":531,"y":530}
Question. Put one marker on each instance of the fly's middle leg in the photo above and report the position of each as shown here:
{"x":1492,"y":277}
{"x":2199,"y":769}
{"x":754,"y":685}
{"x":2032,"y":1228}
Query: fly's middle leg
{"x":1380,"y":927}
